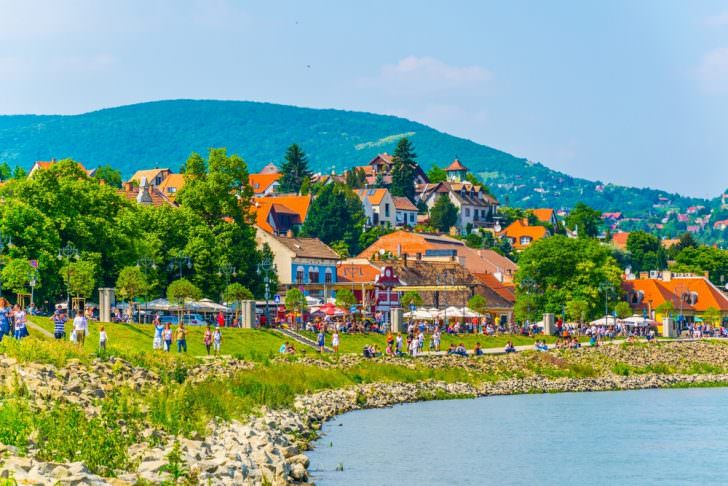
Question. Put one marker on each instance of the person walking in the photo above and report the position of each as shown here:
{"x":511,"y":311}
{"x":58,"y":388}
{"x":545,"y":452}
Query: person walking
{"x":217,"y":340}
{"x":208,"y":339}
{"x":102,"y":339}
{"x":321,"y":340}
{"x":167,"y":335}
{"x":80,"y":327}
{"x":59,"y":323}
{"x":19,"y":322}
{"x":181,"y":336}
{"x":335,"y":341}
{"x":157,"y":343}
{"x":4,"y":318}
{"x":220,"y":319}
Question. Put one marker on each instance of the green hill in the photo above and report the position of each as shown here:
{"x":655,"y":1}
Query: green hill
{"x":164,"y":133}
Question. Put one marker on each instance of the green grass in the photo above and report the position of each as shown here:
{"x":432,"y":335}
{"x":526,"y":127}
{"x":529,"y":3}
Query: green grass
{"x":133,"y":340}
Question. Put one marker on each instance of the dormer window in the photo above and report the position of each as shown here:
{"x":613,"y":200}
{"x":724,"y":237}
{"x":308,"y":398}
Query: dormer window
{"x":690,"y":298}
{"x":525,"y":240}
{"x":636,"y":297}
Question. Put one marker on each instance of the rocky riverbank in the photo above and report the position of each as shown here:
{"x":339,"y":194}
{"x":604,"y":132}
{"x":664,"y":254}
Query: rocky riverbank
{"x":268,"y":448}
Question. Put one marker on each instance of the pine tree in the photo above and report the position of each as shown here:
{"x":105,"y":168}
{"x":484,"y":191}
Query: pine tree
{"x":294,"y":170}
{"x":403,"y":170}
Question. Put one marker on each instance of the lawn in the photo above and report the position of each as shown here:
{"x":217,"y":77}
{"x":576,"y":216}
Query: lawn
{"x":249,"y":344}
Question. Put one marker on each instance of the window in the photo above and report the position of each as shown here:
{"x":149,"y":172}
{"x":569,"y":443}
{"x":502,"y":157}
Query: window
{"x":171,"y":190}
{"x":386,"y":210}
{"x":329,"y":276}
{"x":313,"y":275}
{"x":299,"y":275}
{"x":412,"y":217}
{"x":467,"y":212}
{"x":525,"y":240}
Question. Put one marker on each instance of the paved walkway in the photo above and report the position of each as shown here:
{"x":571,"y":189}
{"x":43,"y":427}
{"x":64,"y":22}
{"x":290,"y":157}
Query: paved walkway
{"x":36,"y":327}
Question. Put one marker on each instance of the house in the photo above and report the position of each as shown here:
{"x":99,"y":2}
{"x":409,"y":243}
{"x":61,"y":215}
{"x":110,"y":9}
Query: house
{"x":380,"y":167}
{"x":371,"y":284}
{"x":619,"y":240}
{"x":691,"y":295}
{"x":144,"y":193}
{"x":668,"y":243}
{"x":405,"y":212}
{"x":433,"y":248}
{"x":456,"y":171}
{"x":264,"y":184}
{"x":302,"y":262}
{"x":612,"y":216}
{"x":172,"y":184}
{"x":154,"y":177}
{"x":269,"y":169}
{"x":378,"y":206}
{"x":546,"y":216}
{"x":41,"y":165}
{"x":720,"y":225}
{"x":475,"y":207}
{"x":521,"y":234}
{"x":280,"y":214}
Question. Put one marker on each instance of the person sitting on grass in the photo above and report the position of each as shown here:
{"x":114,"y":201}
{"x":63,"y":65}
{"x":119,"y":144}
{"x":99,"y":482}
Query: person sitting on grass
{"x":575,"y":344}
{"x":478,"y":351}
{"x":460,"y":350}
{"x":451,"y":349}
{"x":284,"y":348}
{"x":510,"y":348}
{"x":389,"y":351}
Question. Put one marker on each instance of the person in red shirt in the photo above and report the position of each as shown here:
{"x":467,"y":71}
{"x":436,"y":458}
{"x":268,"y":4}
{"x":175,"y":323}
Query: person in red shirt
{"x":220,"y":319}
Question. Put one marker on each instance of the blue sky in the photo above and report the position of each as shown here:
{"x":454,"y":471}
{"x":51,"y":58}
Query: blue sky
{"x":631,"y":92}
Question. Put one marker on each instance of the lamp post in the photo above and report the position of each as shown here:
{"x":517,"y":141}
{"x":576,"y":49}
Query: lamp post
{"x":32,"y":281}
{"x":227,"y":270}
{"x":606,"y":287}
{"x":265,"y":266}
{"x":529,"y":285}
{"x":180,"y":262}
{"x":66,"y":253}
{"x":4,"y":243}
{"x":146,"y":263}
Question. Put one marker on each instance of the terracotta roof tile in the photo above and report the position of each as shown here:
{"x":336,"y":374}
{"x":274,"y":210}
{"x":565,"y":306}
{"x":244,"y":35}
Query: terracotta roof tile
{"x":455,"y":165}
{"x":308,"y":248}
{"x":172,"y":184}
{"x":545,"y":215}
{"x":517,"y":229}
{"x":403,"y":204}
{"x":261,"y":182}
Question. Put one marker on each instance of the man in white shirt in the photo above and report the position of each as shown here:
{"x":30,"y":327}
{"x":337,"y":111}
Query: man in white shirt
{"x":80,"y":327}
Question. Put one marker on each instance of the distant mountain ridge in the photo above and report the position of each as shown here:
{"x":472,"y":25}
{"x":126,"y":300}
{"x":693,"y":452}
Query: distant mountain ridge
{"x":164,"y":133}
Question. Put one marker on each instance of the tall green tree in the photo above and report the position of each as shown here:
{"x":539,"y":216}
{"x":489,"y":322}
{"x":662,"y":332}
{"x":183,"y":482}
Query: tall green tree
{"x":403,"y":170}
{"x":646,"y":252}
{"x":5,"y":171}
{"x":411,"y":298}
{"x":131,"y":283}
{"x":345,"y":298}
{"x":294,"y":170}
{"x":336,"y":215}
{"x":15,"y":275}
{"x":109,"y":175}
{"x":443,"y":214}
{"x":703,"y":259}
{"x":356,"y":178}
{"x":79,"y":277}
{"x":436,"y":174}
{"x":584,"y":220}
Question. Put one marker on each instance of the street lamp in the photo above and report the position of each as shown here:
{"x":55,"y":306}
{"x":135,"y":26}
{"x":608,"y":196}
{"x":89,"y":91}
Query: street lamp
{"x":606,"y":287}
{"x":180,"y":262}
{"x":32,"y":281}
{"x":529,"y":285}
{"x":228,"y":271}
{"x":66,"y":253}
{"x":265,"y":266}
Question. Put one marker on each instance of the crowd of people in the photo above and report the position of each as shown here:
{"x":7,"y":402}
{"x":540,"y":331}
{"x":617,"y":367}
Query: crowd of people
{"x":13,"y":321}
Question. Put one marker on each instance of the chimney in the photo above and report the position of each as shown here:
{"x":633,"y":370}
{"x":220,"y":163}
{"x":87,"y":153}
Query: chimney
{"x":144,"y":197}
{"x":524,"y":221}
{"x":289,"y":233}
{"x":128,"y":186}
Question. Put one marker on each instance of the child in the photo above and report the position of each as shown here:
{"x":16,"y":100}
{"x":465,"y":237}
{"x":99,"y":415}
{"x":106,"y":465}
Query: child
{"x":102,"y":339}
{"x":335,"y":341}
{"x":217,"y":340}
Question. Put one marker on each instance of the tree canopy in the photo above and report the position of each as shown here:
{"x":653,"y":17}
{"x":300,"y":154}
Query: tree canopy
{"x":294,"y":170}
{"x":336,"y":215}
{"x":646,"y":252}
{"x":443,"y":214}
{"x":584,"y":220}
{"x":403,"y":170}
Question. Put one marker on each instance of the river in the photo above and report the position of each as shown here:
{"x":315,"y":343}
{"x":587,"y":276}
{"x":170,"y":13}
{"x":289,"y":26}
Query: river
{"x":671,"y":436}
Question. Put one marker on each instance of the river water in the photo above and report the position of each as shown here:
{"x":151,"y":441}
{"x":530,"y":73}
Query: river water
{"x":673,"y":436}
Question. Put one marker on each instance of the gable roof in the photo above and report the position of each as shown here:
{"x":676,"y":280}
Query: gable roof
{"x":455,"y":166}
{"x":288,"y":204}
{"x":518,"y":229}
{"x":545,"y":215}
{"x":308,"y":248}
{"x":172,"y":181}
{"x":658,"y":291}
{"x":375,"y":196}
{"x":356,"y":271}
{"x":150,"y":174}
{"x":620,"y":239}
{"x":402,"y":203}
{"x":261,"y":182}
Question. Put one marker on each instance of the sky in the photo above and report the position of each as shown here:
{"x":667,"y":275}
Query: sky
{"x":622,"y":91}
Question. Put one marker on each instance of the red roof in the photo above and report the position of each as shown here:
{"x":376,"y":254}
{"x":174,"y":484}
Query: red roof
{"x":656,"y":291}
{"x":456,"y":165}
{"x":620,"y":239}
{"x":261,"y":182}
{"x":403,"y":204}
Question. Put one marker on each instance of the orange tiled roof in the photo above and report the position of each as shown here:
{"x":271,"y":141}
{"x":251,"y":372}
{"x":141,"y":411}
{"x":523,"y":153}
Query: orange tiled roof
{"x":291,"y":204}
{"x":620,"y":239}
{"x":356,"y":272}
{"x":403,"y":204}
{"x":506,"y":291}
{"x":261,"y":182}
{"x":517,"y":229}
{"x":545,"y":215}
{"x":375,"y":196}
{"x":456,"y":165}
{"x":669,"y":242}
{"x":173,"y":183}
{"x":656,"y":291}
{"x":158,"y":198}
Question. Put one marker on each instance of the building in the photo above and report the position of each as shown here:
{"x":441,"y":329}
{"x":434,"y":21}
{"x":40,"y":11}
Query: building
{"x":691,"y":296}
{"x":475,"y":207}
{"x":721,"y":225}
{"x":380,"y":167}
{"x":619,"y":240}
{"x":427,"y":247}
{"x":144,"y":193}
{"x":269,"y":169}
{"x":546,"y":216}
{"x":456,"y":171}
{"x":264,"y":184}
{"x":378,"y":206}
{"x":302,"y":262}
{"x":154,"y":177}
{"x":41,"y":165}
{"x":521,"y":234}
{"x":280,"y":214}
{"x":405,"y":212}
{"x":171,"y":185}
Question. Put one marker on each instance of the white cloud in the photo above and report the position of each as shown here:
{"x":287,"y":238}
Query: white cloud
{"x":713,"y":71}
{"x":717,"y":20}
{"x":424,"y":75}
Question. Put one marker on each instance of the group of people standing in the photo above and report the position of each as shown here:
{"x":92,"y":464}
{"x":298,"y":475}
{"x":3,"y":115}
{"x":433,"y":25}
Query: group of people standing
{"x":13,"y":321}
{"x":164,"y":335}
